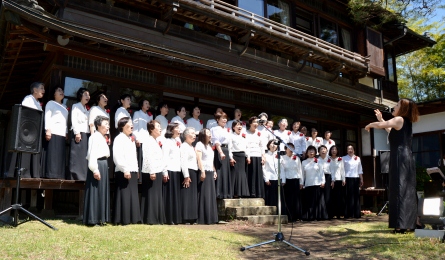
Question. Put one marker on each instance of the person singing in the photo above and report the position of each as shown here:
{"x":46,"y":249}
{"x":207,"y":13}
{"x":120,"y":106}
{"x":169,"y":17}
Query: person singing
{"x":402,"y":168}
{"x":354,"y":180}
{"x":293,"y":180}
{"x":238,"y":157}
{"x":255,"y":160}
{"x":337,"y":169}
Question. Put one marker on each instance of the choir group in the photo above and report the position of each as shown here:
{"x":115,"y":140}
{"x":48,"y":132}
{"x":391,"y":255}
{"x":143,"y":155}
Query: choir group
{"x":184,"y":167}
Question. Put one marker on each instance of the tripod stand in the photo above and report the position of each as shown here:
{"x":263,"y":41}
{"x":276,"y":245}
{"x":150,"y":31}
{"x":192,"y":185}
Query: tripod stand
{"x":16,"y":207}
{"x":386,"y":196}
{"x":279,"y":237}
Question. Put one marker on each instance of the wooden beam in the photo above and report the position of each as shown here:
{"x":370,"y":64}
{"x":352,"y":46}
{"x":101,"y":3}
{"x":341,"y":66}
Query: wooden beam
{"x":10,"y":71}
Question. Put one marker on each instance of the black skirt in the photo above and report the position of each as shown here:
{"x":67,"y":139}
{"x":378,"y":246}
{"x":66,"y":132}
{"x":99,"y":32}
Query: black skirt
{"x":152,"y":205}
{"x":255,"y":178}
{"x":78,"y":154}
{"x":126,"y":199}
{"x":337,"y":206}
{"x":314,"y":207}
{"x":293,"y":199}
{"x":96,"y":207}
{"x":353,"y":198}
{"x":30,"y":163}
{"x":239,"y":177}
{"x":172,"y":198}
{"x":271,"y":199}
{"x":327,"y":194}
{"x":189,"y":198}
{"x":223,"y":187}
{"x":207,"y":210}
{"x":55,"y":158}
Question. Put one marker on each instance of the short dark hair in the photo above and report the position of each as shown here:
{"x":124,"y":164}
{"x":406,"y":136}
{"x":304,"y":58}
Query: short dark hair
{"x":268,"y":143}
{"x":99,"y":96}
{"x":311,"y":147}
{"x":322,"y":146}
{"x":122,"y":97}
{"x":122,"y":122}
{"x":202,"y":137}
{"x":99,"y":119}
{"x":160,"y":105}
{"x":327,"y":132}
{"x":351,"y":146}
{"x":141,"y":102}
{"x":263,"y":114}
{"x":234,"y":123}
{"x":313,"y":130}
{"x":253,"y":118}
{"x":220,"y":115}
{"x":53,"y":91}
{"x":330,"y":150}
{"x":151,"y":125}
{"x":35,"y":85}
{"x":169,"y":131}
{"x":178,"y":108}
{"x":80,"y":92}
{"x":290,"y":145}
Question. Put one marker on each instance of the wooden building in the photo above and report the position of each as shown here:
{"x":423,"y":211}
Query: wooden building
{"x":302,"y":59}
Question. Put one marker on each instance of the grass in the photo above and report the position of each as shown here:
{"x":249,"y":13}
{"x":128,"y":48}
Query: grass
{"x":374,"y":240}
{"x":33,"y":240}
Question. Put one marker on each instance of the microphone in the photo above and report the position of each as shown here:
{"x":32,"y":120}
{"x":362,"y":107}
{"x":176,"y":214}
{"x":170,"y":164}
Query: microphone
{"x":388,"y":110}
{"x":261,"y":121}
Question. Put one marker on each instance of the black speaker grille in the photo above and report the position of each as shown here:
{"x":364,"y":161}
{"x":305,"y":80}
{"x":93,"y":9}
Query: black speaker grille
{"x":28,"y":132}
{"x":25,"y":130}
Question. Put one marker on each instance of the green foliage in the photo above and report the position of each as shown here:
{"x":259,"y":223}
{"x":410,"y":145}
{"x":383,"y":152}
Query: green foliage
{"x":421,"y":177}
{"x":364,"y":11}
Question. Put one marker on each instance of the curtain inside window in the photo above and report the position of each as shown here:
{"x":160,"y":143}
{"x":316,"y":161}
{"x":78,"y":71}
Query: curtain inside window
{"x":346,"y":38}
{"x":278,"y":11}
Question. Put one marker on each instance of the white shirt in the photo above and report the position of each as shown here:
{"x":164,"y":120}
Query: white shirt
{"x":96,"y":111}
{"x":207,"y":156}
{"x":79,"y":119}
{"x":255,"y":147}
{"x":238,"y":143}
{"x":31,"y":102}
{"x":120,"y":113}
{"x":124,"y":154}
{"x":353,"y":166}
{"x":97,"y":148}
{"x":163,"y":122}
{"x":180,"y":122}
{"x":328,"y":143}
{"x":317,"y":142}
{"x":312,"y":172}
{"x":195,"y":123}
{"x":291,"y":168}
{"x":220,"y":135}
{"x":337,"y":169}
{"x":285,"y":136}
{"x":172,"y":154}
{"x":299,"y":141}
{"x":229,"y":125}
{"x":325,"y":164}
{"x":153,"y":161}
{"x":266,"y":136}
{"x":211,"y":123}
{"x":56,"y":118}
{"x":188,"y":159}
{"x":270,"y":168}
{"x":140,"y":121}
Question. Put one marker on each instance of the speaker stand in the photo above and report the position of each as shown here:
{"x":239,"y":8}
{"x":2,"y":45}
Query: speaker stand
{"x":383,"y":208}
{"x":16,"y":207}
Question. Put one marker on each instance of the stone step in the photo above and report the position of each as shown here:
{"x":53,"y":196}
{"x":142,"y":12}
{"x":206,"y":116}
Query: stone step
{"x":264,"y":219}
{"x":234,"y":212}
{"x":225,"y":203}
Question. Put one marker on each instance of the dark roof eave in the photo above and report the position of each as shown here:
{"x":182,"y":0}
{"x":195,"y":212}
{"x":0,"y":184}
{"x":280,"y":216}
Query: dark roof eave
{"x":428,"y":42}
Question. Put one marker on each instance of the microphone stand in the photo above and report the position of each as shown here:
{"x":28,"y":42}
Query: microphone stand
{"x":279,"y":237}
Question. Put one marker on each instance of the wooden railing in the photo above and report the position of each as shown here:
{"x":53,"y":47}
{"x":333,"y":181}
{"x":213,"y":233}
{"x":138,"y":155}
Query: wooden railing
{"x":281,"y":28}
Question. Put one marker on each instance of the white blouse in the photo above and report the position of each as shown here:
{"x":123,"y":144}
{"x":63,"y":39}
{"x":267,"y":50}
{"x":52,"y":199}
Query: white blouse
{"x":211,"y":123}
{"x":238,"y":143}
{"x":328,"y":144}
{"x":188,"y":159}
{"x":195,"y":123}
{"x":299,"y":141}
{"x":229,"y":125}
{"x":79,"y":119}
{"x":337,"y":169}
{"x":266,"y":136}
{"x":255,"y":147}
{"x":220,"y":135}
{"x":180,"y":122}
{"x":270,"y":168}
{"x":312,"y":172}
{"x":31,"y":102}
{"x":291,"y":168}
{"x":163,"y":122}
{"x":284,"y":135}
{"x":56,"y":118}
{"x":120,"y":113}
{"x":153,"y":161}
{"x":124,"y":154}
{"x":97,"y":148}
{"x":172,"y":154}
{"x":325,"y":164}
{"x":317,"y":142}
{"x":140,"y":121}
{"x":353,"y":166}
{"x":96,"y":111}
{"x":207,"y":156}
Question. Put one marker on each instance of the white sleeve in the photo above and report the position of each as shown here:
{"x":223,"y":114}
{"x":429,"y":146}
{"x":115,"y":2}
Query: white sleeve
{"x":94,"y":155}
{"x":28,"y":102}
{"x":136,"y":124}
{"x":74,"y":119}
{"x":283,"y":170}
{"x":148,"y":153}
{"x":342,"y":171}
{"x":119,"y":154}
{"x":184,"y":158}
{"x":92,"y":116}
{"x":300,"y":171}
{"x":359,"y":166}
{"x":215,"y":136}
{"x":48,"y":114}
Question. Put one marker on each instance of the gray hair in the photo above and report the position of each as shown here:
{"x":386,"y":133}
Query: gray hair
{"x":99,"y":119}
{"x":35,"y":85}
{"x":282,"y":120}
{"x":263,"y":114}
{"x":188,"y":131}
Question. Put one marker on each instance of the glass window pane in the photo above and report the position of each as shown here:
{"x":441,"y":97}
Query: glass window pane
{"x":328,"y":31}
{"x":426,"y":143}
{"x":351,"y":135}
{"x":346,"y":39}
{"x":278,"y":11}
{"x":254,"y":6}
{"x":72,"y":85}
{"x":390,"y":61}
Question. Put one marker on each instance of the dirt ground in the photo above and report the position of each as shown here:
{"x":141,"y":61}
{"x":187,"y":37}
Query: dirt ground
{"x":305,"y":235}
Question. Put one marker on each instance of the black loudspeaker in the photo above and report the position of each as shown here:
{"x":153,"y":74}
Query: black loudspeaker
{"x":384,"y":161}
{"x":25,"y":130}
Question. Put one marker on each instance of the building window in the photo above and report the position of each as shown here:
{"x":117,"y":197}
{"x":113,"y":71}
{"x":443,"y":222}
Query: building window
{"x":390,"y":69}
{"x":304,"y":21}
{"x":254,"y":6}
{"x":345,"y":39}
{"x":426,"y":149}
{"x":328,"y":31}
{"x":276,"y":10}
